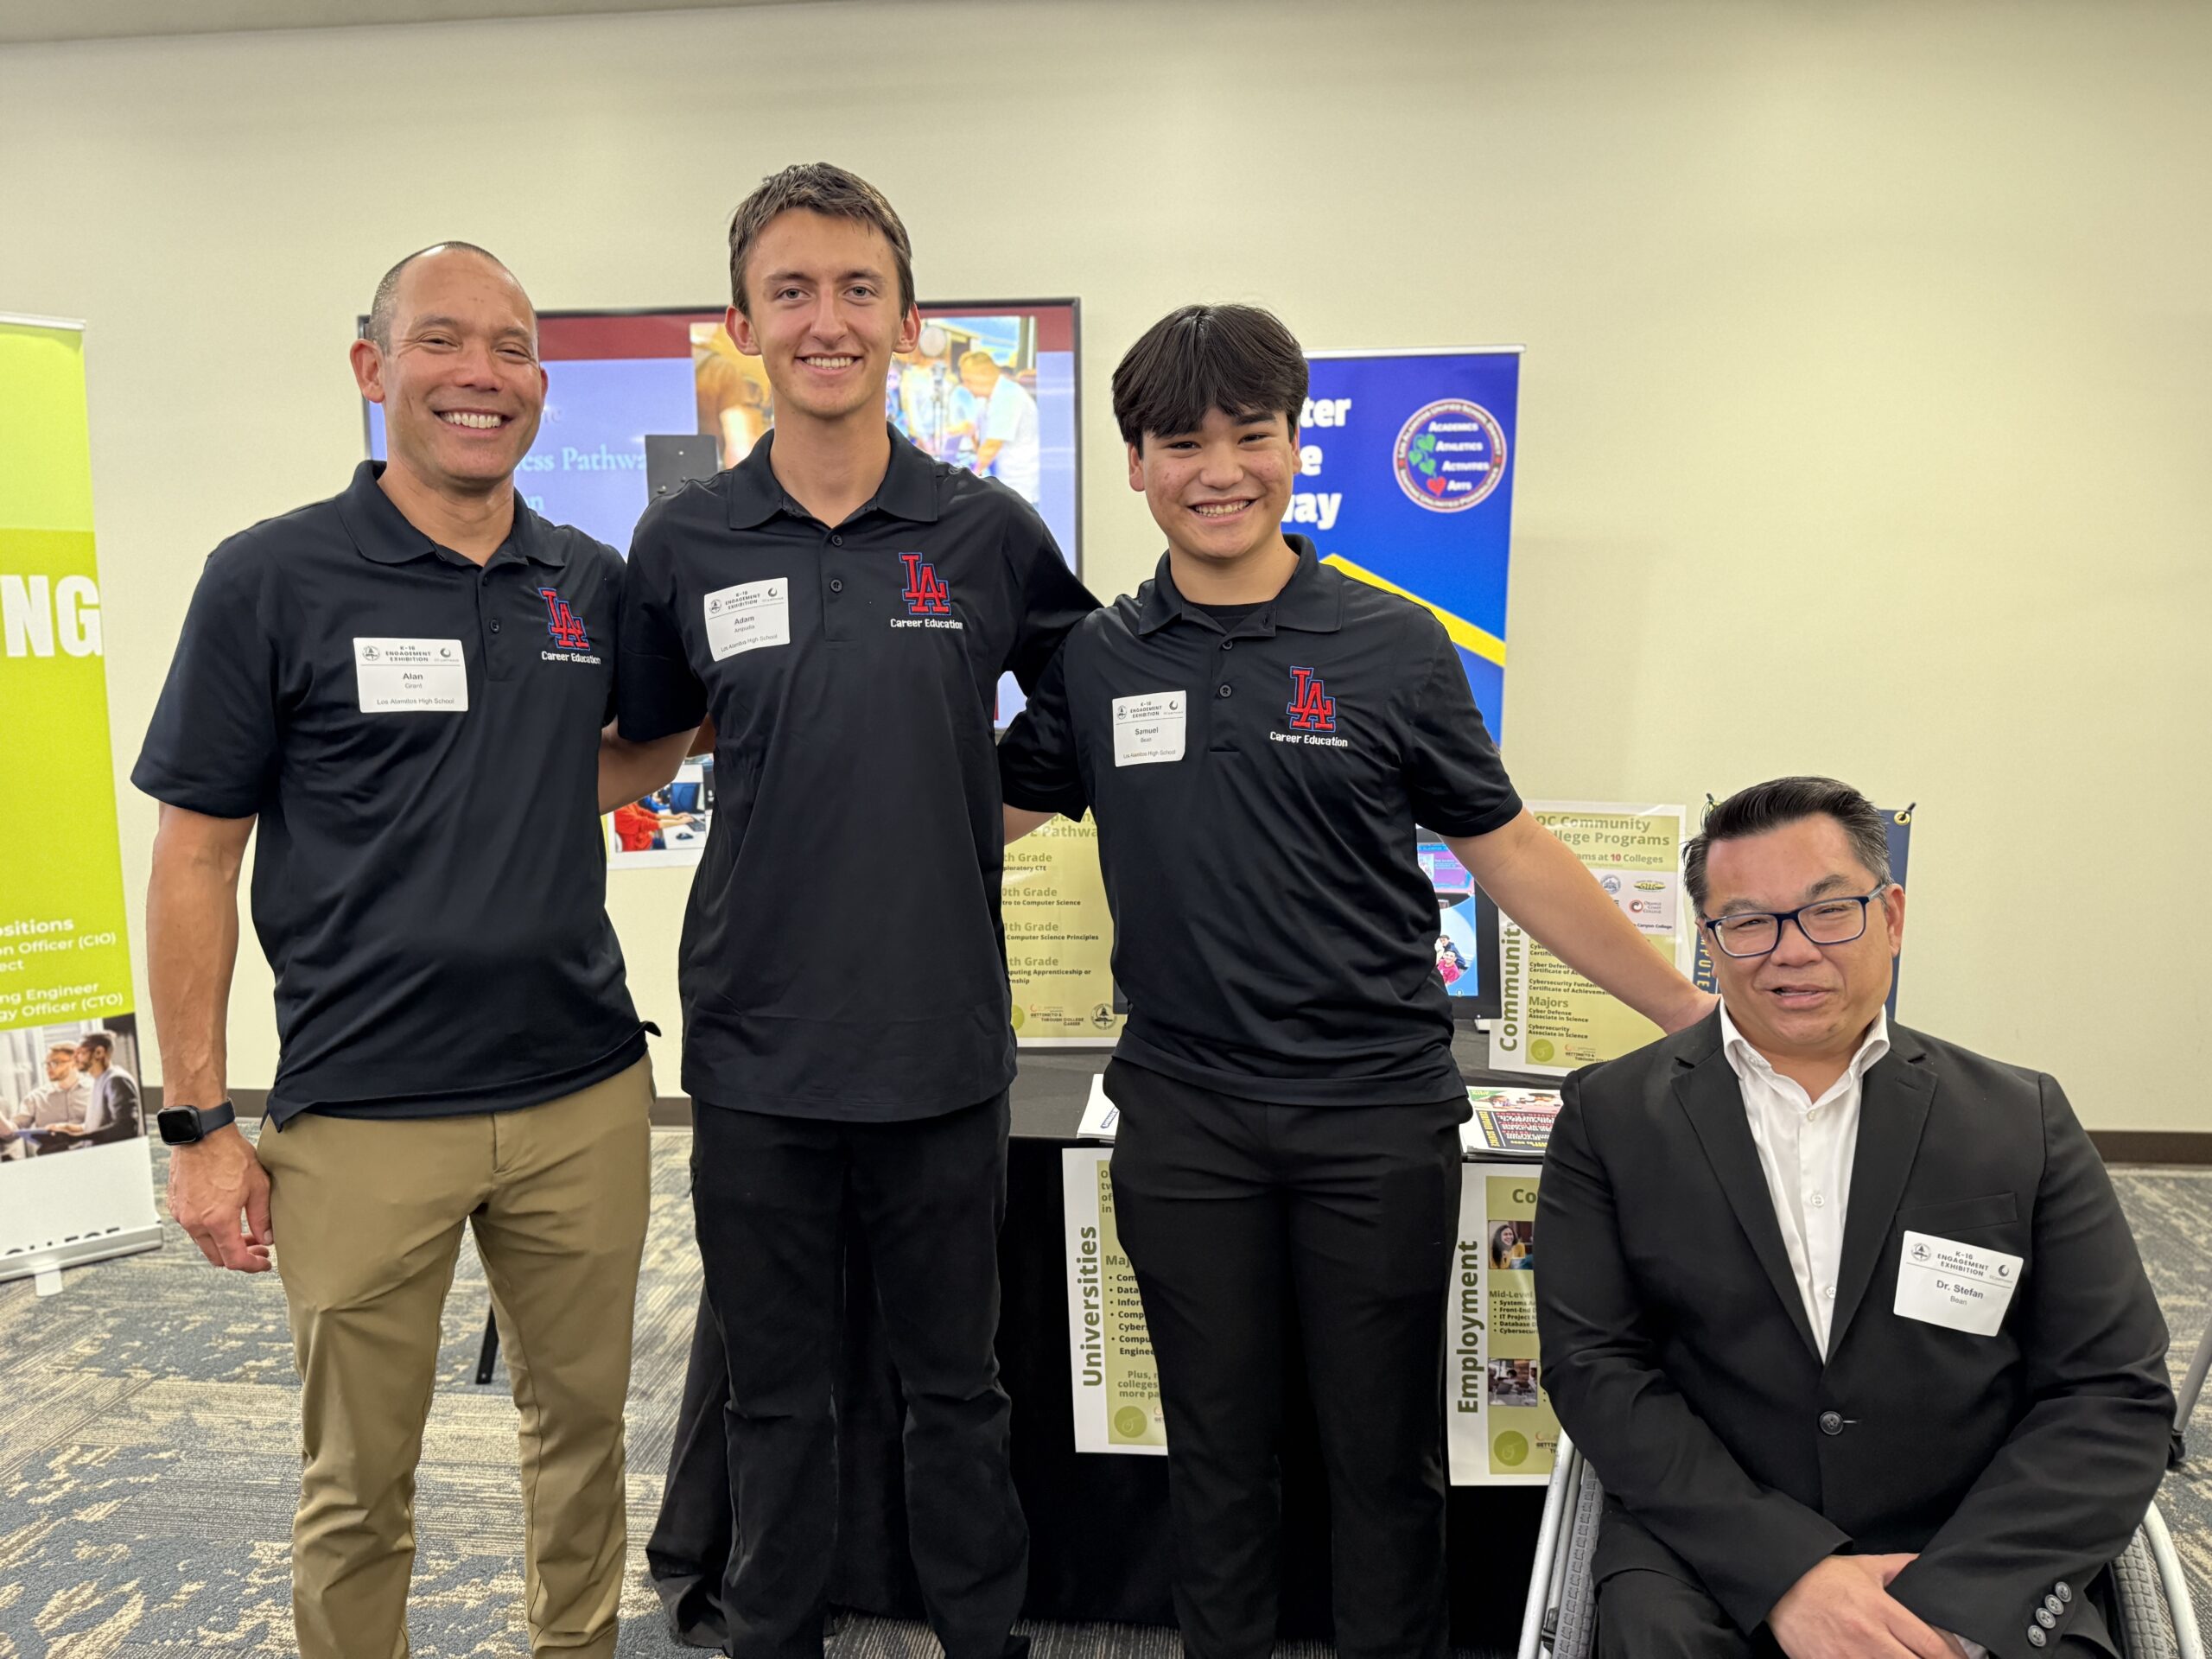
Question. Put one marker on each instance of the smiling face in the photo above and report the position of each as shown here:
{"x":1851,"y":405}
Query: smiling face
{"x":1219,"y":492}
{"x":822,"y":315}
{"x":61,"y":1066}
{"x":459,"y":380}
{"x":1802,"y":1001}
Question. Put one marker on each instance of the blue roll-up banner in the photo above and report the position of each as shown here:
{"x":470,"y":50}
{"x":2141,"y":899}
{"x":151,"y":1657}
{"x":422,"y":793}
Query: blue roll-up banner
{"x":1406,"y":460}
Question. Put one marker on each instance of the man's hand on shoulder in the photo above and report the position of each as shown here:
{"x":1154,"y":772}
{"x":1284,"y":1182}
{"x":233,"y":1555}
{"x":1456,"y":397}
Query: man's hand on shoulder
{"x":1842,"y":1609}
{"x":212,"y":1183}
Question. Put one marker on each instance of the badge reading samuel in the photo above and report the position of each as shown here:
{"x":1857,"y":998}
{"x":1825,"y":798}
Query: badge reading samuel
{"x":1941,"y":1281}
{"x":397,"y":677}
{"x":1149,"y":728}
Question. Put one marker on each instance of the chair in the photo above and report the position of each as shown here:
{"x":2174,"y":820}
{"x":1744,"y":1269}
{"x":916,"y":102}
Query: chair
{"x":2157,"y":1619}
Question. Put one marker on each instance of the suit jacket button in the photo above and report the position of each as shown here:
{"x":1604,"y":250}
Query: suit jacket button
{"x":1831,"y":1422}
{"x":2044,"y":1617}
{"x":2065,"y":1589}
{"x":2053,"y":1605}
{"x":2036,"y":1637}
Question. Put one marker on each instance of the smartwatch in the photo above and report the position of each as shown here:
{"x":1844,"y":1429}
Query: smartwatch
{"x":182,"y":1126}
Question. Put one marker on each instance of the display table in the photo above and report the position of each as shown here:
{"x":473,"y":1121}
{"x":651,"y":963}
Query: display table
{"x":1098,"y":1523}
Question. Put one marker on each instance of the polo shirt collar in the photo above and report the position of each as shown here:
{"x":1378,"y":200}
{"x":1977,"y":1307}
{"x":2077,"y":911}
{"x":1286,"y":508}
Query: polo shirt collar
{"x":1311,"y":601}
{"x":909,"y":490}
{"x":386,"y":536}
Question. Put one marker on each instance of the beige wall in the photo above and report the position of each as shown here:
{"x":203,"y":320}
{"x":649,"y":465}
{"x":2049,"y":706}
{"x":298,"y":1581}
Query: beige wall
{"x":1864,"y":412}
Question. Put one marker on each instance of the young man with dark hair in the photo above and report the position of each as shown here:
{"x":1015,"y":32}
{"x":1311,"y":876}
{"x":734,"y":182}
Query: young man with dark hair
{"x":1909,"y":1396}
{"x":843,"y":608}
{"x":1258,"y":736}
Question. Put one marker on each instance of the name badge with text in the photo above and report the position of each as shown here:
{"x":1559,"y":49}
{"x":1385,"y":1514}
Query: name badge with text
{"x":399,"y":676}
{"x":1960,"y":1286}
{"x":1149,"y":728}
{"x":748,"y":616}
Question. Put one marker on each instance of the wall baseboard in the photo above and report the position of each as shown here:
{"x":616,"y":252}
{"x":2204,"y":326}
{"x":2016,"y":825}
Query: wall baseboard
{"x":2153,"y":1146}
{"x":2185,"y":1146}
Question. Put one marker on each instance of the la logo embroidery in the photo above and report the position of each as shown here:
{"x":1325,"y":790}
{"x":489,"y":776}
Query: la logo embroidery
{"x":564,"y":624}
{"x":927,"y":593}
{"x":1312,"y":708}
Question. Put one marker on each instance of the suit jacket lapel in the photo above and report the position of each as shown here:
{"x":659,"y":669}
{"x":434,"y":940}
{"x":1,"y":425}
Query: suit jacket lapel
{"x":1892,"y":1112}
{"x":1714,"y":1101}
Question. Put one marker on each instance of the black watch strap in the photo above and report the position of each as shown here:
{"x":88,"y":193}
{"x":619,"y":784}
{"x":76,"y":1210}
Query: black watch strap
{"x":182,"y":1126}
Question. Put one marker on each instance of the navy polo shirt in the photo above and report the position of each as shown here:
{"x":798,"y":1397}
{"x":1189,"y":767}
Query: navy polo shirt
{"x":1257,"y":779}
{"x":842,"y":956}
{"x":419,"y":738}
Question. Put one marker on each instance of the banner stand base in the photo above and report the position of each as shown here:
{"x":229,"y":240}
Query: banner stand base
{"x":77,"y":1252}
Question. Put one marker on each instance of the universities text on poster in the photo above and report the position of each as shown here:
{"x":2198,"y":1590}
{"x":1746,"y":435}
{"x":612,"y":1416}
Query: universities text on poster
{"x":75,"y":1182}
{"x":1500,"y":1428}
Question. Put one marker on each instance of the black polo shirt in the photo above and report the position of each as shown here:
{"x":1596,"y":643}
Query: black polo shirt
{"x":420,"y":739}
{"x":1257,"y":787}
{"x":842,"y":956}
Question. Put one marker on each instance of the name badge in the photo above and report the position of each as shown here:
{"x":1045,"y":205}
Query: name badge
{"x":1149,"y":728}
{"x":748,"y":616}
{"x":397,"y":677}
{"x":1941,"y":1281}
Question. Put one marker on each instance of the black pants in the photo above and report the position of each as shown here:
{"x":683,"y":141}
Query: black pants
{"x":1236,"y":1216}
{"x":770,"y":1195}
{"x":688,"y":1554}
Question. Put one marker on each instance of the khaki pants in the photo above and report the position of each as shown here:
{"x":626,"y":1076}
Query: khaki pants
{"x":367,"y":1217}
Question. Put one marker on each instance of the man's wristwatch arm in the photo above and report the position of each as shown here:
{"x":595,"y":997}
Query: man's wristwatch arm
{"x":184,"y":1125}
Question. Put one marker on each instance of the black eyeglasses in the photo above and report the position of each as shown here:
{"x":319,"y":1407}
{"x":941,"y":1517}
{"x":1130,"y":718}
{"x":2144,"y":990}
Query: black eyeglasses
{"x":1824,"y":921}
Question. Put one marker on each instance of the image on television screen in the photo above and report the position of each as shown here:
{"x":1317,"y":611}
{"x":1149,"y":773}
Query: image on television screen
{"x":1466,"y":931}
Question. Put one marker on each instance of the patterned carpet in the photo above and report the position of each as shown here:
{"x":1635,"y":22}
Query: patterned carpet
{"x":148,"y":1474}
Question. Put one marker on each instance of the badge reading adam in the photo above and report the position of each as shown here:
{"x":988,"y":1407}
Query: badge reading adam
{"x":1941,"y":1281}
{"x":397,"y":677}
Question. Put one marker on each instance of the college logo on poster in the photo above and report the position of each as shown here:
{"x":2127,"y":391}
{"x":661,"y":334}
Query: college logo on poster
{"x":564,"y":624}
{"x":1450,"y":456}
{"x":1312,"y":708}
{"x":927,"y":593}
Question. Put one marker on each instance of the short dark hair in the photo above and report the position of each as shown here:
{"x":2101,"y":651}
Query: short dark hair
{"x":1769,"y":805}
{"x":817,"y":187}
{"x":102,"y":1041}
{"x":386,"y":306}
{"x":1236,"y":358}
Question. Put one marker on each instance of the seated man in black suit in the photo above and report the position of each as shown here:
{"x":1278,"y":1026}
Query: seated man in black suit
{"x":1846,"y":1319}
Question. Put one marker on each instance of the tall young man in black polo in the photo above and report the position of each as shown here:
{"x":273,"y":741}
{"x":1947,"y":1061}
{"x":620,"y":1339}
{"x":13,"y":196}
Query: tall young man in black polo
{"x":457,"y":1045}
{"x":844,"y":607}
{"x":1258,"y":735}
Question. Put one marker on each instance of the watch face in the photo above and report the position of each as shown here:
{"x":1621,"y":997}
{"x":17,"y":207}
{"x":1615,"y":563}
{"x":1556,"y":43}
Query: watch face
{"x":180,"y":1125}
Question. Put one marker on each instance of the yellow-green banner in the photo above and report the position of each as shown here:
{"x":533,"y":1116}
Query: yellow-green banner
{"x":72,"y":1153}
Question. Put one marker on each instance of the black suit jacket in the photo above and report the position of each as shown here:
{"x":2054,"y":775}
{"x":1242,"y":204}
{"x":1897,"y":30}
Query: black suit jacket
{"x":1677,"y":1352}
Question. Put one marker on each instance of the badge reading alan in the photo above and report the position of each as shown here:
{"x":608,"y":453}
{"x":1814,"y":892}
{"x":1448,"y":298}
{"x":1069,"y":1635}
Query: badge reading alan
{"x":401,"y":676}
{"x":1960,"y":1286}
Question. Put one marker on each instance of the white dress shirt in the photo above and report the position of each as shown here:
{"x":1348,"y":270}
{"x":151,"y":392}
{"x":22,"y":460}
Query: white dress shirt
{"x":1806,"y":1147}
